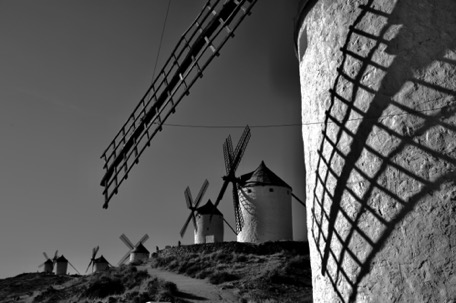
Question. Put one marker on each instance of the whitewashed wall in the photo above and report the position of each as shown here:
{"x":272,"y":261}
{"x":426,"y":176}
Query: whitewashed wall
{"x":267,"y":215}
{"x":208,"y":226}
{"x":378,"y":85}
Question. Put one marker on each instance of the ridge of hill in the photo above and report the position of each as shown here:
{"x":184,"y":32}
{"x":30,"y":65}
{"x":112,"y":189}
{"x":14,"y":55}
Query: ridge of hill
{"x":267,"y":272}
{"x":231,"y":271}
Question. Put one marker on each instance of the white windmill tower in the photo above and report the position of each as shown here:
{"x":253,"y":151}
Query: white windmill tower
{"x":265,"y":202}
{"x":49,"y":263}
{"x":209,"y":222}
{"x":207,"y":219}
{"x":136,"y":253}
{"x":62,"y":266}
{"x":100,"y":263}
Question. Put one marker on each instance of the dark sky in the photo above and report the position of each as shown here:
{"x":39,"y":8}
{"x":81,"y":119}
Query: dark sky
{"x":71,"y":72}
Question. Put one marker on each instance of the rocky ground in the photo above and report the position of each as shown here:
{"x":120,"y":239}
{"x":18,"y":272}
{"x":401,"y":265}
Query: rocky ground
{"x":221,"y":272}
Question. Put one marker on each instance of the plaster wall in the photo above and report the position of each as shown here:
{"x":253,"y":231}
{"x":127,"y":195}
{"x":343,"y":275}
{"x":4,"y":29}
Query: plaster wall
{"x":48,"y":267}
{"x":138,"y":257}
{"x":266,"y":211}
{"x":61,"y":268}
{"x":378,"y":86}
{"x":207,"y":226}
{"x":101,"y":267}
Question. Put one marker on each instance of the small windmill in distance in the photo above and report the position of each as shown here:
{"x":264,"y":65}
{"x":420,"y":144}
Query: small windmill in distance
{"x":208,"y":221}
{"x":136,"y":253}
{"x":62,"y":266}
{"x":266,"y":206}
{"x":232,"y":160}
{"x":49,"y":263}
{"x":100,"y":264}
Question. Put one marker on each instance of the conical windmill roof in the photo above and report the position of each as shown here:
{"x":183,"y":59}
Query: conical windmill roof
{"x":209,"y":209}
{"x":61,"y":259}
{"x":100,"y":260}
{"x":140,"y":249}
{"x":48,"y":261}
{"x":262,"y":176}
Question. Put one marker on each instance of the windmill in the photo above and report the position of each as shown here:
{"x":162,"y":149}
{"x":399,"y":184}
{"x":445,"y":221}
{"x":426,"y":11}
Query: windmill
{"x":207,"y":219}
{"x":195,"y":50}
{"x":62,"y":266}
{"x":100,"y":264}
{"x":232,"y":160}
{"x":136,"y":252}
{"x":49,"y":263}
{"x":266,"y":206}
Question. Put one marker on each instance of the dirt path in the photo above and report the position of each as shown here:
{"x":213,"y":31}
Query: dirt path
{"x":194,"y":290}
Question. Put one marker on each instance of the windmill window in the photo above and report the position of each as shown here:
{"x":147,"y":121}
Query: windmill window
{"x":249,"y":190}
{"x":271,"y":190}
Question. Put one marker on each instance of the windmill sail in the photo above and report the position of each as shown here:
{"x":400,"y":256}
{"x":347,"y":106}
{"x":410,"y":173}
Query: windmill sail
{"x":193,"y":205}
{"x":232,"y":160}
{"x":195,"y":50}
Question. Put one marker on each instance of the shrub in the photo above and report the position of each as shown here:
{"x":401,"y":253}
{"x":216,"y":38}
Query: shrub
{"x":203,"y":273}
{"x":134,"y":278}
{"x":142,"y":297}
{"x":168,"y":287}
{"x":173,"y":264}
{"x":163,"y":261}
{"x":104,"y":287}
{"x":221,"y":277}
{"x":131,"y":295}
{"x":297,"y":263}
{"x":223,"y":257}
{"x":152,"y":287}
{"x":193,"y":269}
{"x":239,"y":258}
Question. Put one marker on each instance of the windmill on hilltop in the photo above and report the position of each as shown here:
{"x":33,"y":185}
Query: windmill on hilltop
{"x":136,"y":253}
{"x":49,"y":263}
{"x":232,"y":160}
{"x":265,"y":206}
{"x":100,"y":263}
{"x":195,"y":50}
{"x":261,"y":200}
{"x":207,"y":219}
{"x":62,"y":266}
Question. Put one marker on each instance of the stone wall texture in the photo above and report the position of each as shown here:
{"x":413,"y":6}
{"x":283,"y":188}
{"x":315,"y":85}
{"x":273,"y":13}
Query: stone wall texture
{"x":378,"y":84}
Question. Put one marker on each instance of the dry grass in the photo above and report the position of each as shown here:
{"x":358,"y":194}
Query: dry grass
{"x":270,"y":272}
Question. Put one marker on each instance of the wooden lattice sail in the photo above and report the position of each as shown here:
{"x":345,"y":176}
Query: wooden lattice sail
{"x":195,"y":50}
{"x":232,"y":160}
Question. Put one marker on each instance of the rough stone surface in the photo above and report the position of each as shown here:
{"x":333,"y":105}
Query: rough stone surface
{"x":378,"y":84}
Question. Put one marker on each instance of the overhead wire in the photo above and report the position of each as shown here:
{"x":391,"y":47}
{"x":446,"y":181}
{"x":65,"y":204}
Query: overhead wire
{"x":263,"y":125}
{"x":161,"y":39}
{"x":297,"y":124}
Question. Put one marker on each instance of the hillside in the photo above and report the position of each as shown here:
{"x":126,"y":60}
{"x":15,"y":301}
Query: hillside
{"x":218,"y":272}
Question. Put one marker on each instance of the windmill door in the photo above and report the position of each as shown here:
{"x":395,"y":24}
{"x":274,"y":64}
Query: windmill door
{"x":210,"y":239}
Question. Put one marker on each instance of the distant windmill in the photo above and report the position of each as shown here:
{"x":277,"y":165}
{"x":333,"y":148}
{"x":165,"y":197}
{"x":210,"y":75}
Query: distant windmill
{"x":100,"y":264}
{"x":62,"y":266}
{"x":265,"y":206}
{"x":207,"y":220}
{"x":136,"y":253}
{"x":232,"y":160}
{"x":49,"y":263}
{"x":195,"y":50}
